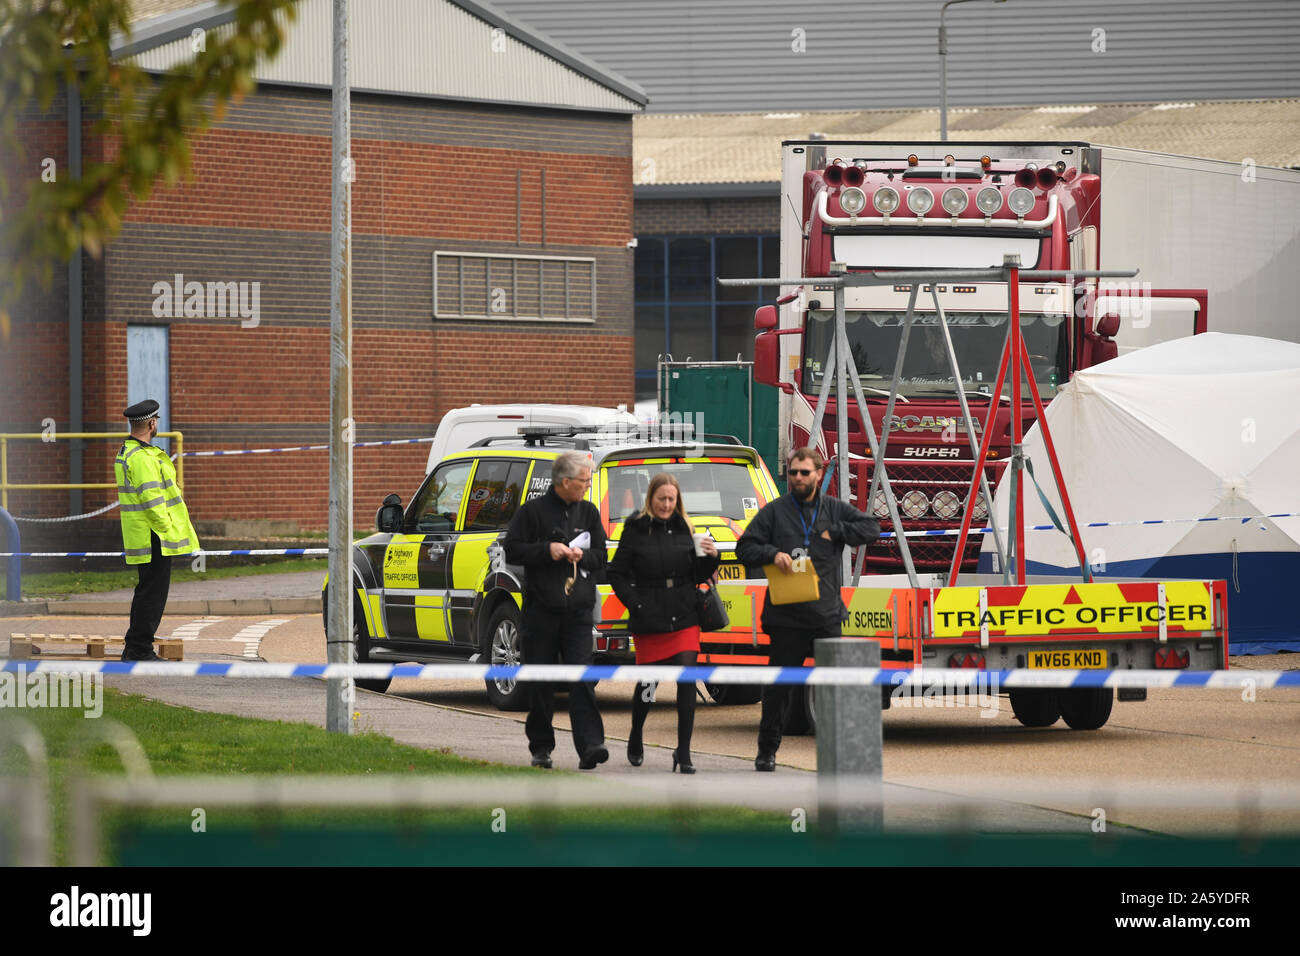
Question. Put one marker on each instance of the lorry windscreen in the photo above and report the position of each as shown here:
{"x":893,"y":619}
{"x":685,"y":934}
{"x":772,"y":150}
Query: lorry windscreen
{"x":977,"y":338}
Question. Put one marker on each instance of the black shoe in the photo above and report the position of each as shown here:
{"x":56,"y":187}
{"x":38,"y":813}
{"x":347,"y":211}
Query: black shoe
{"x":134,"y":655}
{"x":765,"y":762}
{"x":592,"y":757}
{"x":635,"y":752}
{"x":682,"y":763}
{"x":542,"y":760}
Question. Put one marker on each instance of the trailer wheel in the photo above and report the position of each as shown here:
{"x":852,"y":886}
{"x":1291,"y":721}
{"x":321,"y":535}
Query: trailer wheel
{"x":1087,"y":708}
{"x":1035,"y":708}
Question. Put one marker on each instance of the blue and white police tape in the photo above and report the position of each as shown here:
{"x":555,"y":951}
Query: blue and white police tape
{"x":1246,"y":519}
{"x":268,"y":451}
{"x":268,"y":552}
{"x":239,"y":552}
{"x":947,"y":678}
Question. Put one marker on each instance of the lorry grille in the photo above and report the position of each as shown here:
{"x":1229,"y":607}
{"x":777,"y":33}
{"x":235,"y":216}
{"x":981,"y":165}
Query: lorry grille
{"x":941,"y":488}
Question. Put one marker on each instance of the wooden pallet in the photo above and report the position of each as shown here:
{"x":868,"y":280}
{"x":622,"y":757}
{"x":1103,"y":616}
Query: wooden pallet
{"x":94,"y":647}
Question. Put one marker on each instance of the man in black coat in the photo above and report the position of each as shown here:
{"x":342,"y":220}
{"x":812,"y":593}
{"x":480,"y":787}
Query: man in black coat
{"x":559,"y":601}
{"x":804,"y":523}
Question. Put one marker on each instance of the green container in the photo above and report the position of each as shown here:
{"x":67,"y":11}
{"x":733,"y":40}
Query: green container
{"x":722,"y":398}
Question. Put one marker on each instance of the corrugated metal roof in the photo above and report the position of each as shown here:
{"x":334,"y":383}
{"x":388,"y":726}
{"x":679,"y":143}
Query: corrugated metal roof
{"x":746,"y":147}
{"x":148,"y":9}
{"x":463,"y":50}
{"x":734,"y":55}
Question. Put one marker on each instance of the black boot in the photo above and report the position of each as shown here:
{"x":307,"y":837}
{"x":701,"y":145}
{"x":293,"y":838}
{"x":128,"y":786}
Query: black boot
{"x":685,"y":724}
{"x":640,"y":710}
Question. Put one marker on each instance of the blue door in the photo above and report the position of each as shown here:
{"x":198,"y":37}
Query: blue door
{"x":148,"y":372}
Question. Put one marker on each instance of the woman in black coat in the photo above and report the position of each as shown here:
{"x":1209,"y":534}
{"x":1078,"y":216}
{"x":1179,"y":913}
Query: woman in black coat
{"x":655,"y":573}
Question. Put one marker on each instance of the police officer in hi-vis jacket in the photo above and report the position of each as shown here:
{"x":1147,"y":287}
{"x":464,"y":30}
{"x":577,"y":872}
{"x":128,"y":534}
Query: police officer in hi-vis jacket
{"x":155,"y":525}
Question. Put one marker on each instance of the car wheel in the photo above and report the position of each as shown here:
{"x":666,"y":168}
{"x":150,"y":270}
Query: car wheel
{"x":360,"y":644}
{"x":1035,"y":708}
{"x":504,"y":649}
{"x":728,"y":695}
{"x":1087,"y":708}
{"x":361,"y":651}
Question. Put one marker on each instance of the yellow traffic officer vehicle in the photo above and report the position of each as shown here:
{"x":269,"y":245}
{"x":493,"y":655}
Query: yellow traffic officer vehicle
{"x":432,"y":584}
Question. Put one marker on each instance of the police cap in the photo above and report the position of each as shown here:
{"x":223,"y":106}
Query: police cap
{"x":141,"y":411}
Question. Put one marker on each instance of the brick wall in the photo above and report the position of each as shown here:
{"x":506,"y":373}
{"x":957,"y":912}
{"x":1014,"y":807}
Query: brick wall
{"x":430,"y":177}
{"x":704,"y":216}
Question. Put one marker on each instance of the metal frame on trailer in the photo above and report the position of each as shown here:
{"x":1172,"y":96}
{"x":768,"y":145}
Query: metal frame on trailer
{"x":1015,"y":359}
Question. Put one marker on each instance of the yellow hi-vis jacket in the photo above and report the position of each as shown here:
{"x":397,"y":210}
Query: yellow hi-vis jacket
{"x":151,"y":501}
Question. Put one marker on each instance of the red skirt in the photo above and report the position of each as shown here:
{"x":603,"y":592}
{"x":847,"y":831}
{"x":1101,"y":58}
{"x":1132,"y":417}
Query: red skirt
{"x":652,"y":648}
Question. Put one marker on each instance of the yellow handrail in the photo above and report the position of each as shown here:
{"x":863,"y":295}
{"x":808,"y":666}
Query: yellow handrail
{"x":6,"y":484}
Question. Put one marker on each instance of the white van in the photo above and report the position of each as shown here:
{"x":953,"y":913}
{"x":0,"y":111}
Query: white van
{"x":462,"y":427}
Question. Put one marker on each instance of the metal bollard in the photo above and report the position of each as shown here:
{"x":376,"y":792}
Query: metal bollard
{"x":849,"y":748}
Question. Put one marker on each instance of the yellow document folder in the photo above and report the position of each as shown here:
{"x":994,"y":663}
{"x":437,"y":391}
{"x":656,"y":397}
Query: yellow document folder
{"x":794,"y":588}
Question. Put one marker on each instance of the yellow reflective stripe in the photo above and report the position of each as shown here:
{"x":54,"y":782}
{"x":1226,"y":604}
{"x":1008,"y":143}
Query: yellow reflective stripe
{"x":376,"y":601}
{"x":430,"y":620}
{"x":469,"y":559}
{"x":182,"y":543}
{"x":367,"y":609}
{"x":761,"y":479}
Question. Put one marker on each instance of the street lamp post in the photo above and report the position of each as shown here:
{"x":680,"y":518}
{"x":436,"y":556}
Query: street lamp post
{"x":943,"y":68}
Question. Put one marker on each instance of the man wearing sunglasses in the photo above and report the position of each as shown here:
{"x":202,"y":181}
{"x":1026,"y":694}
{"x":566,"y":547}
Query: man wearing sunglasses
{"x":802,"y":524}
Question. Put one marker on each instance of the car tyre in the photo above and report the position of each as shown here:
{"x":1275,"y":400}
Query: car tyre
{"x":1035,"y":708}
{"x":361,"y":652}
{"x":502,"y":646}
{"x":360,"y":644}
{"x":1087,"y":708}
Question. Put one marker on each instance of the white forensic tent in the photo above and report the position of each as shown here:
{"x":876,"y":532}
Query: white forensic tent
{"x":1199,"y":427}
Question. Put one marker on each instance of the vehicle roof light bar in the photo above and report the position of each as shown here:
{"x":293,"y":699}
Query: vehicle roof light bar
{"x":983,"y":221}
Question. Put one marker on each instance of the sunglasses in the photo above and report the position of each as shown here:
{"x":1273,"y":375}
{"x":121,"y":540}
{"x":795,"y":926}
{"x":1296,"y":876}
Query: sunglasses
{"x":803,"y":472}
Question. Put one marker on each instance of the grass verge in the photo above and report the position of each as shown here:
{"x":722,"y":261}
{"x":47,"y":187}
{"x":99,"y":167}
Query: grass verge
{"x":63,"y":583}
{"x":180,"y":741}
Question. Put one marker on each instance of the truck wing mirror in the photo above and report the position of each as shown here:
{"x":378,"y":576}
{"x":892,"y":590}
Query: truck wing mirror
{"x":765,"y":317}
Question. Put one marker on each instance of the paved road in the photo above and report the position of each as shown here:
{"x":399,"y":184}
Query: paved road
{"x":1177,"y":738}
